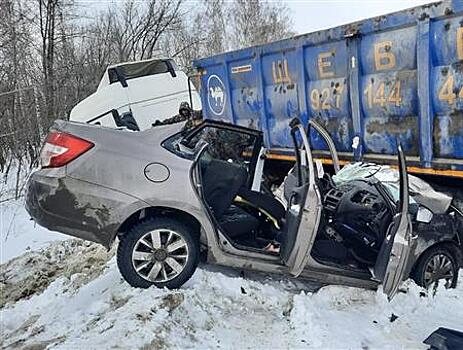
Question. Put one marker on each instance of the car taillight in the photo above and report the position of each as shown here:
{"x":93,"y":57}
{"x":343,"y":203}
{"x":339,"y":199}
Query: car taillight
{"x":60,"y":148}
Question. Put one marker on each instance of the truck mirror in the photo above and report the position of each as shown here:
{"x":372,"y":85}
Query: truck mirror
{"x":129,"y":121}
{"x":116,"y":71}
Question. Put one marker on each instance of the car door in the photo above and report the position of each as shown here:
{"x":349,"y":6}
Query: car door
{"x":329,"y":142}
{"x":227,"y":141}
{"x":396,"y":248}
{"x":304,"y":206}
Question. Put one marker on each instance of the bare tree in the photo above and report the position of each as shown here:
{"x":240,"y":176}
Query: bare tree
{"x":47,"y":20}
{"x":255,"y":22}
{"x":52,"y":55}
{"x":138,"y":27}
{"x":215,"y":26}
{"x":18,"y":131}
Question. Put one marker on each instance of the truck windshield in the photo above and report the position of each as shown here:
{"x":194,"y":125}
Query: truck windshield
{"x":139,"y":69}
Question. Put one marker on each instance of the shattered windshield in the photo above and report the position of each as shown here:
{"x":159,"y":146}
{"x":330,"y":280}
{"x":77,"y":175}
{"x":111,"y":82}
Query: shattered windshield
{"x":356,"y":171}
{"x":363,"y":171}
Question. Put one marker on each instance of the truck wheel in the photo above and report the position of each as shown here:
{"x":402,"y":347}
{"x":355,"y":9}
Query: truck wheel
{"x":159,"y":251}
{"x":437,"y":264}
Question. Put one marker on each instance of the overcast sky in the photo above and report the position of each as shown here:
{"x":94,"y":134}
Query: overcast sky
{"x":312,"y":15}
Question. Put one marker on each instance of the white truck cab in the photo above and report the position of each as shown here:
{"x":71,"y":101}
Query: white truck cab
{"x":151,"y":89}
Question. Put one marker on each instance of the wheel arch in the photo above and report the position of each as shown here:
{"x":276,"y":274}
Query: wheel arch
{"x":159,"y":211}
{"x":454,"y":243}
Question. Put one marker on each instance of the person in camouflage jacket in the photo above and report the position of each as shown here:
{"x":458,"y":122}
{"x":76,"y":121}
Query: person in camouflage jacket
{"x":185,"y":113}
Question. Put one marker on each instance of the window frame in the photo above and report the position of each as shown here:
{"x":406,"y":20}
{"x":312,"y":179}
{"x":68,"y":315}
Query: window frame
{"x":186,"y":136}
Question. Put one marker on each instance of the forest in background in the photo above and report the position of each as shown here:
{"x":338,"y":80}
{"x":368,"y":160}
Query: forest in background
{"x":54,"y":52}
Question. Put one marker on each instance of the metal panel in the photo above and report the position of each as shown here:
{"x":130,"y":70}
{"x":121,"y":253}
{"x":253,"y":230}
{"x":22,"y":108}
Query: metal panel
{"x":424,"y":85}
{"x":399,"y":75}
{"x":244,"y":94}
{"x":328,"y":93}
{"x":281,"y":98}
{"x":389,"y":94}
{"x":260,"y":89}
{"x":447,"y":87}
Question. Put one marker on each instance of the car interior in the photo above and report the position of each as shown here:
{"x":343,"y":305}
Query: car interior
{"x":249,"y":218}
{"x":355,"y":216}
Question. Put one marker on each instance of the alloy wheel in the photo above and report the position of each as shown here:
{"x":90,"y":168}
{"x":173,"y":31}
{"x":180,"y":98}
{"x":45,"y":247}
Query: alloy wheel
{"x":160,"y":255}
{"x":439,"y":267}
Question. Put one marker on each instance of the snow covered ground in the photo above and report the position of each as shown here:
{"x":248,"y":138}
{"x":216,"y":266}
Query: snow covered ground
{"x":20,"y":234}
{"x":69,"y":294}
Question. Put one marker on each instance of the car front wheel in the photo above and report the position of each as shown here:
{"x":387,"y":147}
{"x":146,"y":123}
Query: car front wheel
{"x":437,"y":265}
{"x":158,"y":251}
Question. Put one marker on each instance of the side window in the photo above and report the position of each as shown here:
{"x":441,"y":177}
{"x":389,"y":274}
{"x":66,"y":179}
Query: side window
{"x":223,"y":144}
{"x":226,"y":145}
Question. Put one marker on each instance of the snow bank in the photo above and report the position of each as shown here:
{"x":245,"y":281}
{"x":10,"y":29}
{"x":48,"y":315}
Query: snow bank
{"x":214,"y":309}
{"x":34,"y":271}
{"x":19,"y":233}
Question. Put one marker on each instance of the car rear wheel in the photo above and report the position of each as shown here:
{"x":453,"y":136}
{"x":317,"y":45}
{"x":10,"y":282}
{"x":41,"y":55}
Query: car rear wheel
{"x":437,"y":265}
{"x":160,"y":251}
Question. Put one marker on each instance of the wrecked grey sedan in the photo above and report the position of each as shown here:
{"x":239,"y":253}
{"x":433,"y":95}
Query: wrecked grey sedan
{"x":172,"y":197}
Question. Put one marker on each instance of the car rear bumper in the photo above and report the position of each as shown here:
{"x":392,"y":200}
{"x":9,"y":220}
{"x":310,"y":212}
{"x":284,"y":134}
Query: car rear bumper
{"x":74,"y":207}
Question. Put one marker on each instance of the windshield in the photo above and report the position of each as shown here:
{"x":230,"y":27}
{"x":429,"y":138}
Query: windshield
{"x":356,"y":171}
{"x":363,"y":171}
{"x":139,"y":70}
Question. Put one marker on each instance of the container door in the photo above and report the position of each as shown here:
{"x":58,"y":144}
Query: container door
{"x":304,"y":207}
{"x":394,"y":253}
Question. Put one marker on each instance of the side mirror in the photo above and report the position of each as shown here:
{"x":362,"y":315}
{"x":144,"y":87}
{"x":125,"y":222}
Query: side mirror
{"x":129,"y":122}
{"x":424,"y":215}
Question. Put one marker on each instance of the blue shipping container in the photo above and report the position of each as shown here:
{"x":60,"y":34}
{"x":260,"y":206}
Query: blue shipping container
{"x":394,"y":76}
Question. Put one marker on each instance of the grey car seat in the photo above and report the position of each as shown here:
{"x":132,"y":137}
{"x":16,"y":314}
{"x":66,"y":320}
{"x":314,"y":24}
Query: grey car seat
{"x":221,"y":182}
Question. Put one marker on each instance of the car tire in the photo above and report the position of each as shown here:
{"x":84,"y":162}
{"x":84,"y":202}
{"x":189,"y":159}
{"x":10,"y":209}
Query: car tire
{"x":433,"y":257}
{"x":143,"y":266}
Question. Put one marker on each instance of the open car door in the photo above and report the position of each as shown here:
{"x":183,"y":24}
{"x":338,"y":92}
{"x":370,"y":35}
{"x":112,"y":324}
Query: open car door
{"x":329,"y":142}
{"x":395,"y":250}
{"x":304,"y":206}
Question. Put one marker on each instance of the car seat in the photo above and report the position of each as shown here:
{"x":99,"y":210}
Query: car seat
{"x":221,"y":183}
{"x":266,"y":204}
